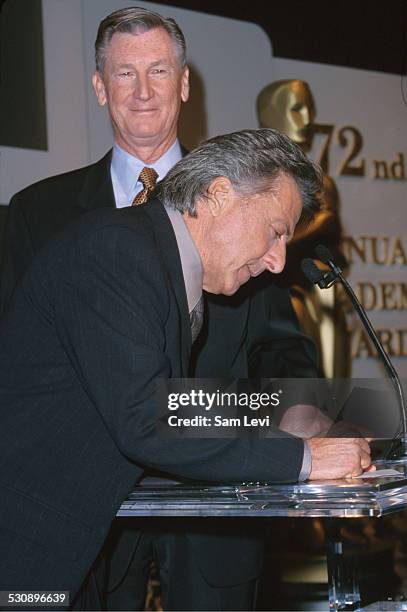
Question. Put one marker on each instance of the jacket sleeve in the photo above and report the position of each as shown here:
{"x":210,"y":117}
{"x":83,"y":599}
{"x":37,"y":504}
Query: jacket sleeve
{"x":112,"y":310}
{"x":17,"y":252}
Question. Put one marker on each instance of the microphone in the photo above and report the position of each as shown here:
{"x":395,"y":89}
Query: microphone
{"x":315,"y":275}
{"x":327,"y":279}
{"x":324,"y":254}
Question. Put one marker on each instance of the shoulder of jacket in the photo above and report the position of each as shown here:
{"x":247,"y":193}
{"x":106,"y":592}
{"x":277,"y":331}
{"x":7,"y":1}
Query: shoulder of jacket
{"x":55,"y":186}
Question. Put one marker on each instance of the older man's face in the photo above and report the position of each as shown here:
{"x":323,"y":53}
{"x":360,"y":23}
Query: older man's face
{"x":249,"y":237}
{"x":143,"y":85}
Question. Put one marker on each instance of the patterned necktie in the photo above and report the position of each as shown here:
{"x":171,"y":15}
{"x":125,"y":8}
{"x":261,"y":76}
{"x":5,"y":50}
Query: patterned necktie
{"x":148,"y":177}
{"x":196,"y":318}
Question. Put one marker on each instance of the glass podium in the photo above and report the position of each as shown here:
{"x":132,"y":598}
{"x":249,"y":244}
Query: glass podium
{"x":331,"y":500}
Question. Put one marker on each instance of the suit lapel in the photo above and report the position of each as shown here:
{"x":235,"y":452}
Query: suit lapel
{"x":168,"y":249}
{"x":97,"y":189}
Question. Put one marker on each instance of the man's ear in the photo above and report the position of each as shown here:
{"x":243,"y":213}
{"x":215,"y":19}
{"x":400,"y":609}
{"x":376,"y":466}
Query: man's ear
{"x":185,"y":84}
{"x":99,"y":88}
{"x":218,"y":194}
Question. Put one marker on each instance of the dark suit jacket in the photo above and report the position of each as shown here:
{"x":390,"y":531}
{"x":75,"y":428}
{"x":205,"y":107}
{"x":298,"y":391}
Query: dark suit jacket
{"x":253,"y":333}
{"x":99,"y":315}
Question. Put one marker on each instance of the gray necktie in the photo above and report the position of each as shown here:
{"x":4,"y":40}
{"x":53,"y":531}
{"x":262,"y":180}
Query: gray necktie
{"x":196,"y":318}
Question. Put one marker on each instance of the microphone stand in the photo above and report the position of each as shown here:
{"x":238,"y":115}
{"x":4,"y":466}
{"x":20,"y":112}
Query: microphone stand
{"x":324,"y":280}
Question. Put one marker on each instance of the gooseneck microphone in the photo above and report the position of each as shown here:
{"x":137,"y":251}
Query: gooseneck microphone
{"x":318,"y":277}
{"x":324,"y":280}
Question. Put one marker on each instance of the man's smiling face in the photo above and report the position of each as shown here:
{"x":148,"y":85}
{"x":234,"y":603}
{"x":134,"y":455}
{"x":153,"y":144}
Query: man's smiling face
{"x":143,"y":85}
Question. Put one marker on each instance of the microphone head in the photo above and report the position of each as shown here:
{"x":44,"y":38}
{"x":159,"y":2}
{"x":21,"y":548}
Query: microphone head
{"x":323,"y":253}
{"x":311,"y":270}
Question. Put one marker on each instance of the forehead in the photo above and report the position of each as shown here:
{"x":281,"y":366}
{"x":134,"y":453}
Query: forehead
{"x":283,"y":204}
{"x":152,"y":45}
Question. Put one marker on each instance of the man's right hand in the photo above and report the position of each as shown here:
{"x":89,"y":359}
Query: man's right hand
{"x":334,"y":458}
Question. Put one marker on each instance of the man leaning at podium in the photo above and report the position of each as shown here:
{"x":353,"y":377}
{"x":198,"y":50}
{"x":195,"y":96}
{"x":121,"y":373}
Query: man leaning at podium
{"x":142,"y":78}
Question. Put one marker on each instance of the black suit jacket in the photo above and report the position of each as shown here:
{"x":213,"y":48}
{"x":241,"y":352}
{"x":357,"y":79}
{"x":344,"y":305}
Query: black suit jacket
{"x":38,"y":212}
{"x":99,"y":315}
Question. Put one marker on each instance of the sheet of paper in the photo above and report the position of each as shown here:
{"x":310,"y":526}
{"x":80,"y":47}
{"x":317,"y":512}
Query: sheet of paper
{"x":381,"y":474}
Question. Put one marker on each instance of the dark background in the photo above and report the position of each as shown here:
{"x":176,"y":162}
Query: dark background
{"x":367,"y":34}
{"x":22,"y":86}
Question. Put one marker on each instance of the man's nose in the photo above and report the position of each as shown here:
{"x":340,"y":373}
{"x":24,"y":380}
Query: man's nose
{"x":275,"y":257}
{"x":143,"y":89}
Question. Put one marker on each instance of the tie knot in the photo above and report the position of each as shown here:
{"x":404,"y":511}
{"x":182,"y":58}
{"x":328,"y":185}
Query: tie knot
{"x":148,"y":178}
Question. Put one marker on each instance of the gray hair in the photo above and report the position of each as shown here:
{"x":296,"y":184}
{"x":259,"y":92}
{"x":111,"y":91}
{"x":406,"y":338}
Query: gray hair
{"x":253,"y":161}
{"x":136,"y":20}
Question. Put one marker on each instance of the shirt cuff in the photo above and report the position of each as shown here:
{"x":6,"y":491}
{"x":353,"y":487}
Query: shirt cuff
{"x":306,"y":463}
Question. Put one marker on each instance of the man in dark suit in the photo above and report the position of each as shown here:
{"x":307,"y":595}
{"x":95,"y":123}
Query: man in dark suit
{"x":142,"y":77}
{"x":103,"y":311}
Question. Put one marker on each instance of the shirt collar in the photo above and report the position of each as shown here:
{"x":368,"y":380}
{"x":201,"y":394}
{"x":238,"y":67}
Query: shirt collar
{"x":125,"y":170}
{"x":190,"y":259}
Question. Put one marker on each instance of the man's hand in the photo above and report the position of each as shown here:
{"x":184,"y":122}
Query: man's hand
{"x":339,"y":457}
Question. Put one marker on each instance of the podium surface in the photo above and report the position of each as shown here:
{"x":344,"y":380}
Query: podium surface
{"x":348,"y":498}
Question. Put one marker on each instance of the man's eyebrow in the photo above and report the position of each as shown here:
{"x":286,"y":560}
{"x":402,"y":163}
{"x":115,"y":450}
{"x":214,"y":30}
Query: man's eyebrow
{"x":287,"y":230}
{"x":130,"y":65}
{"x":124,"y":65}
{"x":284,"y":224}
{"x":159,"y":61}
